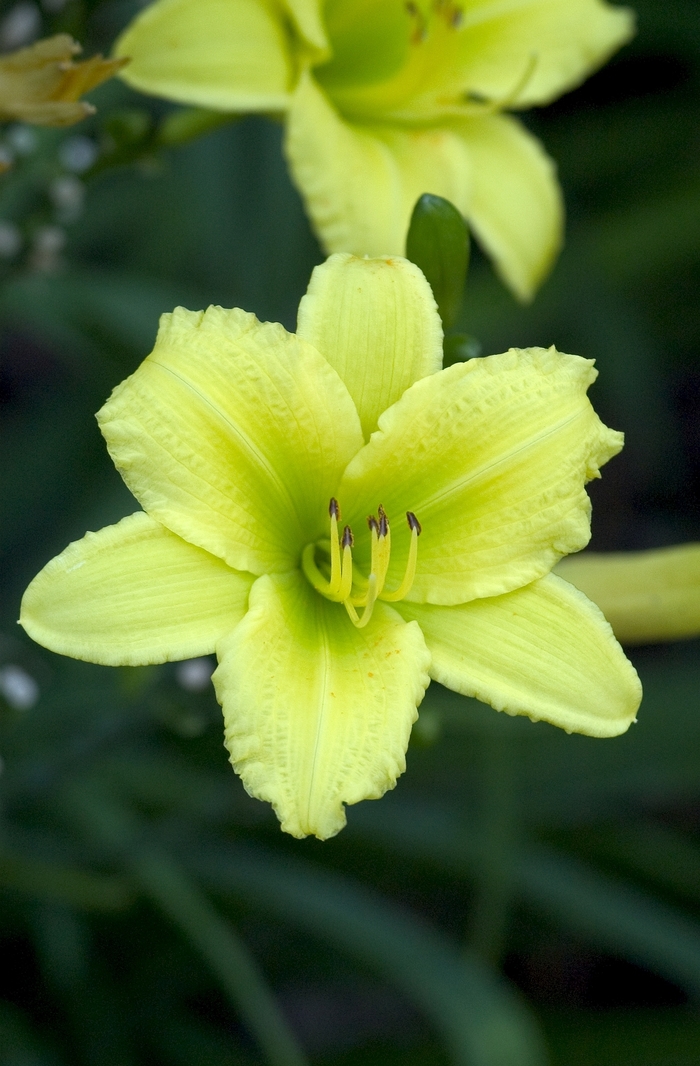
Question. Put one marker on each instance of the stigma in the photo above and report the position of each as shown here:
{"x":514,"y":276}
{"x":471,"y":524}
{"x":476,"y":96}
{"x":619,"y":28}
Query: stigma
{"x":352,"y":589}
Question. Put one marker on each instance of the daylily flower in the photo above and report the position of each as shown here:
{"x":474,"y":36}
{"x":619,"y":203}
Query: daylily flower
{"x":245,"y":444}
{"x":42,"y":85}
{"x":647,"y":596}
{"x":388,"y":99}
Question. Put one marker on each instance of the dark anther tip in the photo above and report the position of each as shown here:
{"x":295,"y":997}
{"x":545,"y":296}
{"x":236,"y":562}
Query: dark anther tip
{"x":413,"y":523}
{"x":383,"y":525}
{"x":372,"y":523}
{"x":333,"y":508}
{"x":348,"y":539}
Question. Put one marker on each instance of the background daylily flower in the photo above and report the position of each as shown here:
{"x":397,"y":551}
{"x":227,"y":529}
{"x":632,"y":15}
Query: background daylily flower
{"x":242,"y":442}
{"x":647,"y":596}
{"x":386,"y":100}
{"x":42,"y":85}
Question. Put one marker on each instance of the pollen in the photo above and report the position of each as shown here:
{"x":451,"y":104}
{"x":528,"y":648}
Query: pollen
{"x":333,"y":576}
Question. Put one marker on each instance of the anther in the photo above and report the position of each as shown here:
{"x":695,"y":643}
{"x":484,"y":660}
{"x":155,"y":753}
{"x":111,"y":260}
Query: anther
{"x":348,"y":539}
{"x":334,"y":509}
{"x":413,"y":523}
{"x":373,"y":524}
{"x":383,"y":522}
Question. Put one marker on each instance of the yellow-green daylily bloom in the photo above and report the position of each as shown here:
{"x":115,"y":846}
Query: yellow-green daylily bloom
{"x":647,"y":596}
{"x":388,"y":99}
{"x":243,"y":443}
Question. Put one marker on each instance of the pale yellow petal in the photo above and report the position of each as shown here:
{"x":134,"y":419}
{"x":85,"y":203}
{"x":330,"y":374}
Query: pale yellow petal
{"x":307,"y":16}
{"x":376,"y":322}
{"x":562,"y":41}
{"x":515,"y":207}
{"x":131,"y":594}
{"x":492,"y":455}
{"x":233,"y":433}
{"x":646,"y":596}
{"x":230,"y":55}
{"x":544,"y":651}
{"x":318,"y":713}
{"x":360,"y":182}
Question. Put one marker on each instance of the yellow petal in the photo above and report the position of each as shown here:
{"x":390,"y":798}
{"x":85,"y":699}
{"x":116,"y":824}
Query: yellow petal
{"x":515,"y":208}
{"x":646,"y":596}
{"x":376,"y":322}
{"x":544,"y":651}
{"x":492,"y":455}
{"x":360,"y":183}
{"x":232,"y":55}
{"x":317,"y":713}
{"x":132,"y":594}
{"x":307,"y":16}
{"x":233,"y":433}
{"x":565,"y":40}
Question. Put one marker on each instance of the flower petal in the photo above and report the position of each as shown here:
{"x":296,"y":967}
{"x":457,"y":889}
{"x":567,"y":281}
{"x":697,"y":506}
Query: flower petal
{"x":231,"y":55}
{"x":360,"y":182}
{"x":646,"y":596}
{"x":376,"y":322}
{"x":307,"y":16}
{"x":544,"y":651}
{"x":515,"y":207}
{"x":492,"y":455}
{"x":564,"y":40}
{"x":233,"y":433}
{"x":131,"y":594}
{"x":317,"y":713}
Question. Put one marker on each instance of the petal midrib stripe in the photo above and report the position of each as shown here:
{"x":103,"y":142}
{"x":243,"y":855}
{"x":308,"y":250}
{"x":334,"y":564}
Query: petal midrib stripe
{"x":459,"y":484}
{"x":257,"y":457}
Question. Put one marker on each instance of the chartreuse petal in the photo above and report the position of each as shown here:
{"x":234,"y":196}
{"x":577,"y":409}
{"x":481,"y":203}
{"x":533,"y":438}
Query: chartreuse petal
{"x":317,"y":713}
{"x":376,"y":322}
{"x":646,"y":596}
{"x":492,"y":456}
{"x":544,"y":651}
{"x":134,"y":593}
{"x":233,"y":433}
{"x":232,"y":55}
{"x":307,"y":16}
{"x":360,"y":182}
{"x":515,"y":206}
{"x":562,"y":41}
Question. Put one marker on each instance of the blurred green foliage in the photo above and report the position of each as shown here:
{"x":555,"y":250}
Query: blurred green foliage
{"x":523,"y":897}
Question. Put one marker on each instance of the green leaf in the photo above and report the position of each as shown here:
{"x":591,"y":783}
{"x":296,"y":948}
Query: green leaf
{"x":481,"y":1020}
{"x":438,"y":243}
{"x":115,"y":830}
{"x":616,"y":917}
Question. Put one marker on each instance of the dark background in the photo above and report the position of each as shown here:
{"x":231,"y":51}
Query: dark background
{"x":137,"y":880}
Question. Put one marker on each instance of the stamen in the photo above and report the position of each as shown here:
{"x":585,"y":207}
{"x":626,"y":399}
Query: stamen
{"x":383,"y":549}
{"x":346,"y":575}
{"x":334,"y":512}
{"x":481,"y":106}
{"x":408,"y":578}
{"x":361,"y":622}
{"x":312,"y":572}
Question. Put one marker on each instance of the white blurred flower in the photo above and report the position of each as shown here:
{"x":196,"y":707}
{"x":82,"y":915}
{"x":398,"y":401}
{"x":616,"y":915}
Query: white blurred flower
{"x":18,"y":687}
{"x":194,"y":675}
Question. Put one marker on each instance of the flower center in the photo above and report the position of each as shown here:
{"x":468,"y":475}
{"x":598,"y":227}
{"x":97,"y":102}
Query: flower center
{"x":333,"y":577}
